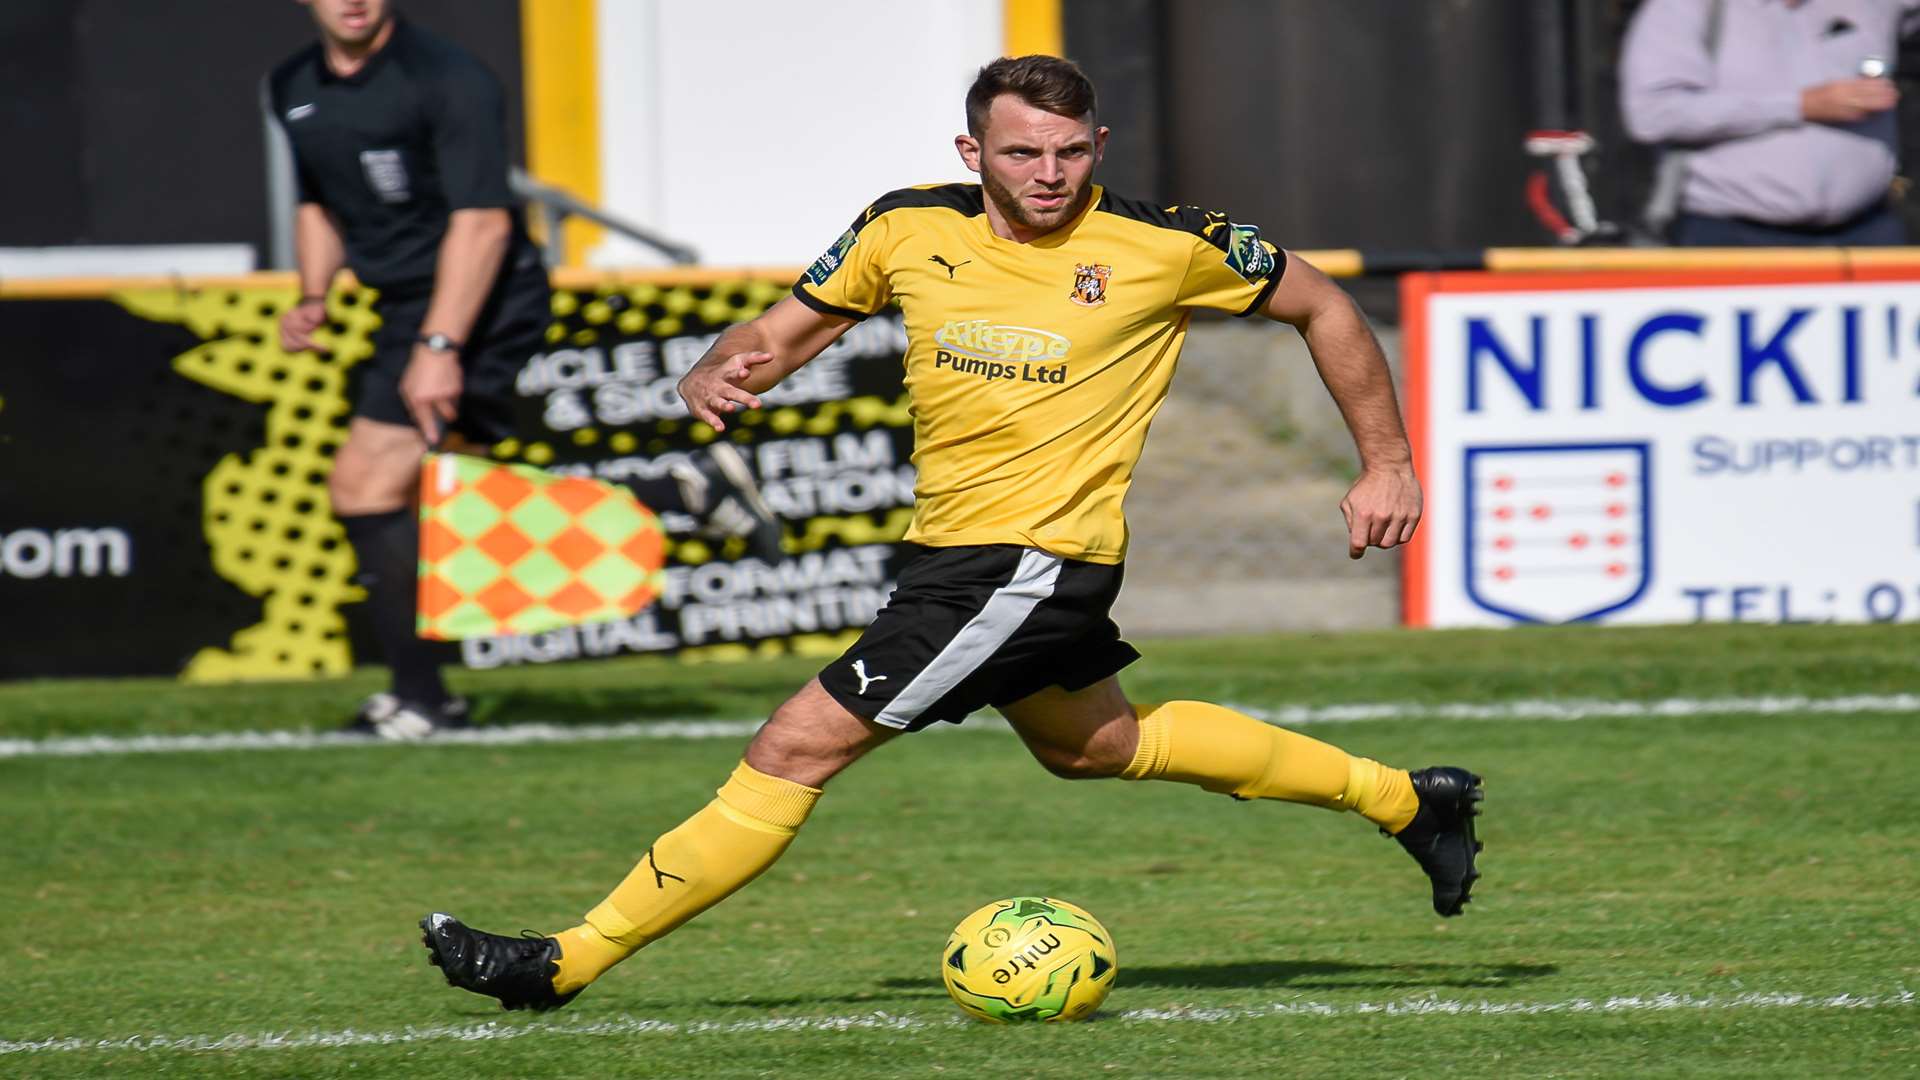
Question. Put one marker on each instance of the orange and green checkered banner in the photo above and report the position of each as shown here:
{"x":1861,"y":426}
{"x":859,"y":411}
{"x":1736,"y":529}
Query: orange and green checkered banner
{"x":512,"y":549}
{"x":219,"y":558}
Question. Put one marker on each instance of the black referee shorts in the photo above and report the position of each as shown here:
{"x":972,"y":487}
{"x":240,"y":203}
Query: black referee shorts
{"x":510,"y":329}
{"x":968,"y":627}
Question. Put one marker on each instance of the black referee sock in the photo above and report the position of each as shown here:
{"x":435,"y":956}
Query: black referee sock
{"x":667,"y":493}
{"x":388,"y":547}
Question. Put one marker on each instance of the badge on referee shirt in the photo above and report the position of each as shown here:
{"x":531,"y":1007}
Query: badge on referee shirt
{"x":386,"y":175}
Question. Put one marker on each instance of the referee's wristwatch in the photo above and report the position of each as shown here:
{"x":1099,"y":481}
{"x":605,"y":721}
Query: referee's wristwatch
{"x":439,"y":343}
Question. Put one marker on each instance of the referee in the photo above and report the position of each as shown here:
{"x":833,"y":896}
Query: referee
{"x":400,"y":152}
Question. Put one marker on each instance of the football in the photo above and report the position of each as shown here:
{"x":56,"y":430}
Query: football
{"x":1029,"y":958}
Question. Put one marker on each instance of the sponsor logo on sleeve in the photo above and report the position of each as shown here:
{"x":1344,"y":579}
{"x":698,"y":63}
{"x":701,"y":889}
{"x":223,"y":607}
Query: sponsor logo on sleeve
{"x":1246,"y":255}
{"x":824,"y":266}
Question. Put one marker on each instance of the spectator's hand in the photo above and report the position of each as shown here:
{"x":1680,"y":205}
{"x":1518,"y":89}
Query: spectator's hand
{"x":431,"y":390}
{"x":1847,"y":101}
{"x":715,"y":387}
{"x":299,"y":323}
{"x":1382,"y":509}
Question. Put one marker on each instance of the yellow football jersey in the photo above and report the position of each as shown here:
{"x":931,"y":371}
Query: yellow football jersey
{"x":1034,"y":369}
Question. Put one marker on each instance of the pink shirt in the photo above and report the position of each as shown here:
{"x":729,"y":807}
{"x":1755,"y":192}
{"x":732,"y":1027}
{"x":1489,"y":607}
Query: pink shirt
{"x":1737,"y":105}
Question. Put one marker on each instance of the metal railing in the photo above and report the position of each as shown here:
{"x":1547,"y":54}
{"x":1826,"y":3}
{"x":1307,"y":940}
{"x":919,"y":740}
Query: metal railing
{"x":555,"y":205}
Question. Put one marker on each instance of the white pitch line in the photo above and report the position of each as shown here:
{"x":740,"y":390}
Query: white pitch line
{"x":1285,"y":715}
{"x":632,"y":1025}
{"x":505,"y":735}
{"x":1570,"y":710}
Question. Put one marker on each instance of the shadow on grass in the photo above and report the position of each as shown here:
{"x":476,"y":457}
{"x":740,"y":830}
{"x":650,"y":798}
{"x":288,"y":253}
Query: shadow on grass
{"x":1253,"y":974}
{"x":907,"y":990}
{"x":897,"y":990}
{"x":1317,"y":975}
{"x":610,"y":706}
{"x":1332,"y":975}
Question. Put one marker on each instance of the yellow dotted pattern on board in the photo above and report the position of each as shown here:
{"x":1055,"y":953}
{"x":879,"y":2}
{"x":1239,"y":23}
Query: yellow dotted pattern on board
{"x":269,"y":526}
{"x":853,"y":529}
{"x":627,"y":310}
{"x":864,"y":412}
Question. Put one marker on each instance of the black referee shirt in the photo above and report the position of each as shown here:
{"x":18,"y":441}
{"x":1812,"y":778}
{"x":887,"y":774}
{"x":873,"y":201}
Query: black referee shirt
{"x":417,"y":133}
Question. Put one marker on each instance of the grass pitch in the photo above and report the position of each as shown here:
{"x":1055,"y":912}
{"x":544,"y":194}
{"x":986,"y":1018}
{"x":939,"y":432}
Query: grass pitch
{"x":1725,"y":892}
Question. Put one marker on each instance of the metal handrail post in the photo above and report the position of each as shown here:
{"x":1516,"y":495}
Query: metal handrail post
{"x":558,"y":204}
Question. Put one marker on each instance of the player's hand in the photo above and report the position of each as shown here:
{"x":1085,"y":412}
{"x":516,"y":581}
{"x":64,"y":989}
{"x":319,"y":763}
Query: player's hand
{"x":1382,"y":509}
{"x":299,"y":323}
{"x":1848,"y":101}
{"x":431,"y":390}
{"x":715,"y":388}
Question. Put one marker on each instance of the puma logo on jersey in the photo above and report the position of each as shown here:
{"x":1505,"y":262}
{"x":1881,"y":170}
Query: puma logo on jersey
{"x":860,"y":670}
{"x":951,"y":267}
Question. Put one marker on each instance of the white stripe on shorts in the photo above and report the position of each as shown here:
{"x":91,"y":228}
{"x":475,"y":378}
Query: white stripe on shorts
{"x":1004,"y":611}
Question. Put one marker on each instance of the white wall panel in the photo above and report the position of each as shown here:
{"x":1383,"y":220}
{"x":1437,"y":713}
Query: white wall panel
{"x":757,"y":129}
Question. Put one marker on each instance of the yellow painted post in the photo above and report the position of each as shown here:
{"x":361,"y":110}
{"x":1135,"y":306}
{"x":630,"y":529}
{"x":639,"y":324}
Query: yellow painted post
{"x":1033,"y":26}
{"x":561,"y":70}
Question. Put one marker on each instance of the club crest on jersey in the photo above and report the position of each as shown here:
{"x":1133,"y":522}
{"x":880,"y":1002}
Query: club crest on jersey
{"x":1090,"y":284}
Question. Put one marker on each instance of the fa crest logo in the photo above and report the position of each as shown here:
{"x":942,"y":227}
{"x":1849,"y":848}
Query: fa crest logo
{"x":1090,"y":284}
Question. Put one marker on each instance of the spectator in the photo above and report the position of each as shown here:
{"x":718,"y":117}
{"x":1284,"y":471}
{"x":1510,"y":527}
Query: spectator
{"x":1777,"y":115}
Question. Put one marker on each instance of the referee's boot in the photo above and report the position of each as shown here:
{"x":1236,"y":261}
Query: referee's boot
{"x":719,"y":489}
{"x":1440,"y":836}
{"x":517,"y":971}
{"x":385,"y":716}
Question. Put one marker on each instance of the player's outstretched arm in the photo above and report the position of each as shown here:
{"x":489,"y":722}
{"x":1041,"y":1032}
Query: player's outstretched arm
{"x":751,"y":358}
{"x":1383,"y":506}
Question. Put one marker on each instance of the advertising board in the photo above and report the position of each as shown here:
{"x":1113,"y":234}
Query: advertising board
{"x":1665,"y":447}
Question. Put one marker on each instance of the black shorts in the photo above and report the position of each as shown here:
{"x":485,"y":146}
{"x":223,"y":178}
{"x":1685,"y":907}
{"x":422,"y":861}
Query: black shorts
{"x":968,"y":627}
{"x":511,"y":328}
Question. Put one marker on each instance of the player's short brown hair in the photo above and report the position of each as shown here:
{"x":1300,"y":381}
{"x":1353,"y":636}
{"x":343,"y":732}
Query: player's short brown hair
{"x":1044,"y":82}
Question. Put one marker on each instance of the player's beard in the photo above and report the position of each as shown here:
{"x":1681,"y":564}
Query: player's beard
{"x":1015,"y":211}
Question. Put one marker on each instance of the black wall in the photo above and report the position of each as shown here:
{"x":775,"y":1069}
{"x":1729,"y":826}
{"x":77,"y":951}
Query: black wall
{"x":1331,"y":123}
{"x":136,"y":122}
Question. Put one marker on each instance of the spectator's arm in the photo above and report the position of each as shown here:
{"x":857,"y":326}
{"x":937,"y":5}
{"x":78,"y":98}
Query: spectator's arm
{"x":1667,"y":92}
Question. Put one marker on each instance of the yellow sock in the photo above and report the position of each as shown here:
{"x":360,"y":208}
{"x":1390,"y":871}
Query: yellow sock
{"x":1192,"y":742}
{"x":711,"y":854}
